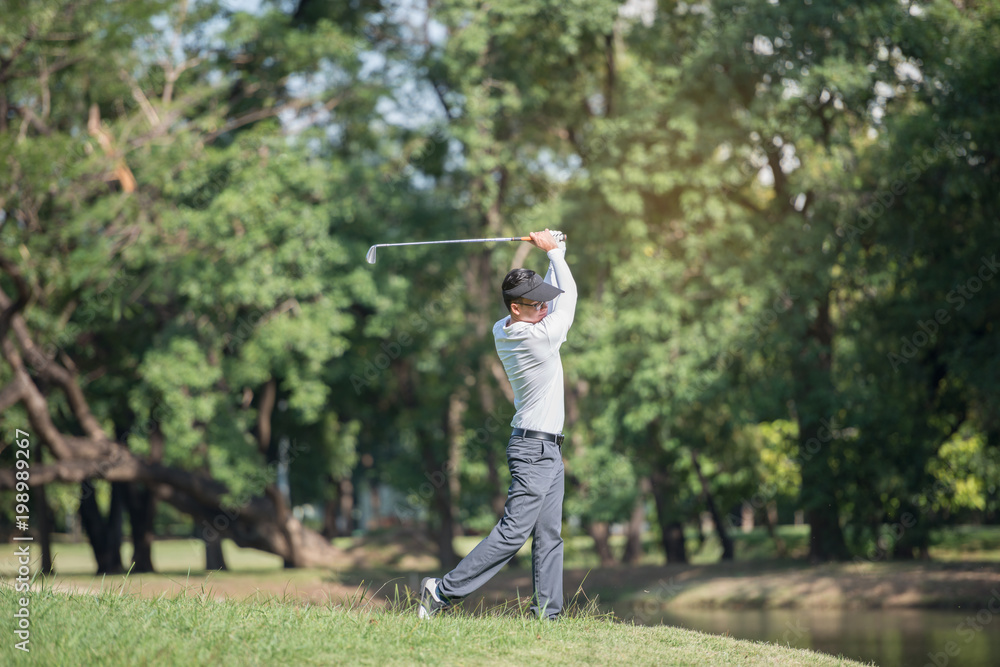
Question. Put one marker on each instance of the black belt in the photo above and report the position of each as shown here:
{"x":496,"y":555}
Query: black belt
{"x":538,"y":435}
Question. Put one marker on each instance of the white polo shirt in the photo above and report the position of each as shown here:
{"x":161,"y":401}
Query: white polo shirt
{"x":530,"y":354}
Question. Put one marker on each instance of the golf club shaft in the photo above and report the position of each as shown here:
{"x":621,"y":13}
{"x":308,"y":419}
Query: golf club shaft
{"x":371,"y":251}
{"x":503,"y":238}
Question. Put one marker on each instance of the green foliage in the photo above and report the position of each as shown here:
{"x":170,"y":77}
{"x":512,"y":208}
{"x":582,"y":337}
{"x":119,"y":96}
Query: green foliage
{"x":781,"y":217}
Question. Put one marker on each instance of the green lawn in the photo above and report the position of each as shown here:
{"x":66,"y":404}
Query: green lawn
{"x":110,"y":629}
{"x":965,"y":543}
{"x":180,"y":556}
{"x":176,"y":557}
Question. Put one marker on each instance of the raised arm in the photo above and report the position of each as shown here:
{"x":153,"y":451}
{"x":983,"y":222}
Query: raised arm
{"x":562,"y":309}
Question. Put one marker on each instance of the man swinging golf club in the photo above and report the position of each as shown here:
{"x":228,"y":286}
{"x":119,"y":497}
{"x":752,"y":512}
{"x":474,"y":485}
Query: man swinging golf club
{"x":540,"y":313}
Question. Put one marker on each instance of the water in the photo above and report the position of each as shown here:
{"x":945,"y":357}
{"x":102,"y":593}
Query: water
{"x":889,"y":638}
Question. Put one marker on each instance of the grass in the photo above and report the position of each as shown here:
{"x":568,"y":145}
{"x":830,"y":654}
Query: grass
{"x":961,"y":542}
{"x":963,"y":557}
{"x":113,"y":629}
{"x":259,"y":613}
{"x":175,"y":556}
{"x":181,"y":556}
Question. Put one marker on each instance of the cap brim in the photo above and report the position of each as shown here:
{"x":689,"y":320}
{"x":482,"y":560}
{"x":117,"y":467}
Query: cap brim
{"x":543,"y":292}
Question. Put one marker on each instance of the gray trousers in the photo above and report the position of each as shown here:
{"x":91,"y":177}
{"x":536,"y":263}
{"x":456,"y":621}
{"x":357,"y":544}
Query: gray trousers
{"x":533,"y":508}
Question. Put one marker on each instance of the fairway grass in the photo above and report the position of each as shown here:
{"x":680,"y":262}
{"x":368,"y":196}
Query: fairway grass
{"x":113,"y":629}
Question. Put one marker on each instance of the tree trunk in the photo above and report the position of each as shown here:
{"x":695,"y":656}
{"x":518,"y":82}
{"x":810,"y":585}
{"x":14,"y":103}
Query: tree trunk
{"x":498,"y":495}
{"x":910,"y":538}
{"x":671,"y":530}
{"x":446,"y":549}
{"x":376,"y":502}
{"x":105,"y":535}
{"x":826,"y":540}
{"x":819,"y":489}
{"x":330,"y":515}
{"x":442,"y":506}
{"x":345,"y":495}
{"x":141,"y":509}
{"x":706,"y":494}
{"x":673,"y":542}
{"x":215,"y":560}
{"x":814,"y":390}
{"x":283,"y":517}
{"x":141,"y":502}
{"x":44,"y":514}
{"x":633,"y":540}
{"x":598,"y":530}
{"x":771,"y":518}
{"x":457,"y":405}
{"x":442,"y":478}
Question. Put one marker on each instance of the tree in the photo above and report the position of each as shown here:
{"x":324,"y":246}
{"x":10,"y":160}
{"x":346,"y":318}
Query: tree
{"x":213,"y":280}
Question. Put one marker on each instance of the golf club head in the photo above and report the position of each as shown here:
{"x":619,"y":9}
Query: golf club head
{"x":371,"y":255}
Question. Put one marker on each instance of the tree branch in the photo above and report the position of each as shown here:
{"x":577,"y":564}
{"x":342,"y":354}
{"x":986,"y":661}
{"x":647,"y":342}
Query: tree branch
{"x":171,"y":73}
{"x":141,"y":99}
{"x":10,"y":309}
{"x":5,"y":63}
{"x":11,"y":394}
{"x":609,"y":83}
{"x":52,"y":371}
{"x":32,"y":119}
{"x":35,"y":403}
{"x":122,"y":172}
{"x":264,"y":410}
{"x":741,"y":200}
{"x":261,"y":114}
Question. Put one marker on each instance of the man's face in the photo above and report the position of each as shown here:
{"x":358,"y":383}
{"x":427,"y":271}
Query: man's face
{"x":529,"y":311}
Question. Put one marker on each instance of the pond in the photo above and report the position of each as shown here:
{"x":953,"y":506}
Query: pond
{"x":889,"y":638}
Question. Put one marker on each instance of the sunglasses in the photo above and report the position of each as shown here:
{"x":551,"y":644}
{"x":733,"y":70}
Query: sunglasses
{"x":537,"y":305}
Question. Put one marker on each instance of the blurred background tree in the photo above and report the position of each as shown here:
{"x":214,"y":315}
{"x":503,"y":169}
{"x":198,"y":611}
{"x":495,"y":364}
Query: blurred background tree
{"x":782,"y":218}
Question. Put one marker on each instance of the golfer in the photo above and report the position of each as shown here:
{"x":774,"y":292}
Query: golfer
{"x":540,"y":313}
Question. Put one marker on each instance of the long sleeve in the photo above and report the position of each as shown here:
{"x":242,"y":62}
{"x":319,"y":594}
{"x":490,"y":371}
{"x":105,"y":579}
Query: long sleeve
{"x":562,"y":309}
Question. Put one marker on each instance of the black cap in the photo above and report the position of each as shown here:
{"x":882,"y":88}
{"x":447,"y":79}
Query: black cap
{"x":533,"y":289}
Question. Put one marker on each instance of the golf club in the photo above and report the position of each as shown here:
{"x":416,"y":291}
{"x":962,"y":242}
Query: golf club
{"x":371,"y":251}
